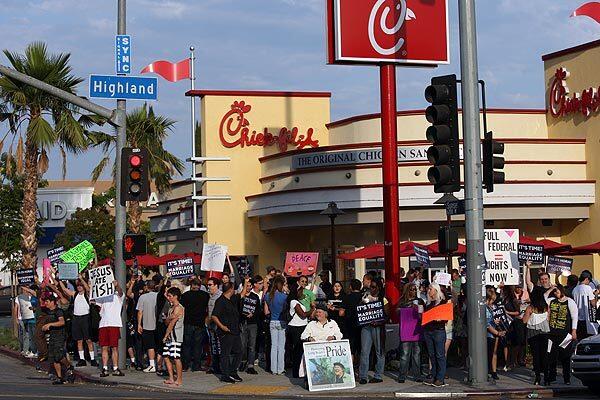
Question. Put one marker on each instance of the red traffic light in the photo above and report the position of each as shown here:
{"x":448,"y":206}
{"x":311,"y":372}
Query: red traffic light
{"x":135,"y":160}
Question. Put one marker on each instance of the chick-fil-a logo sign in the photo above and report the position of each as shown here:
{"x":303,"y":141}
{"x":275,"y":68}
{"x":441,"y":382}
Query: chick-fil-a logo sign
{"x":561,"y":104}
{"x":401,"y":31}
{"x":235,"y":130}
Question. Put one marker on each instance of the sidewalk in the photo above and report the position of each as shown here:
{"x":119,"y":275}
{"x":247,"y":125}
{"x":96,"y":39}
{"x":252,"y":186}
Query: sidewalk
{"x":265,"y":385}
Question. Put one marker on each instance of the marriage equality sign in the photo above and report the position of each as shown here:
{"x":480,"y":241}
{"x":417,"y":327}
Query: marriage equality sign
{"x":102,"y":282}
{"x":183,"y":268}
{"x":25,"y":277}
{"x":55,"y":253}
{"x":501,"y":255}
{"x":249,"y":305}
{"x":559,"y":265}
{"x":531,"y":252}
{"x":422,"y":256}
{"x":213,"y":257}
{"x":329,"y":365}
{"x":81,"y":254}
{"x":369,"y":313}
{"x":298,"y":263}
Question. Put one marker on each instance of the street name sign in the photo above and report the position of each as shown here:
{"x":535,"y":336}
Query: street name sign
{"x":123,"y":54}
{"x":123,"y":87}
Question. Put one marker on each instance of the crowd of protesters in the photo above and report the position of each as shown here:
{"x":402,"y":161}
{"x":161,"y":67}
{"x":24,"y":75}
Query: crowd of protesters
{"x":225,"y":327}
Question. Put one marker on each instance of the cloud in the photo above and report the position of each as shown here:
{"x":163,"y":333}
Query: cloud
{"x":164,"y":9}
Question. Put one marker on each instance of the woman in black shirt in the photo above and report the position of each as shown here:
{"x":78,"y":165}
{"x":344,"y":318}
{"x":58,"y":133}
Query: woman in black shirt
{"x":336,"y":306}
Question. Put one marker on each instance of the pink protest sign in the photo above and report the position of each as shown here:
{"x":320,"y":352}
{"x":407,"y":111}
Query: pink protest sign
{"x":297,"y":264}
{"x":410,"y":326}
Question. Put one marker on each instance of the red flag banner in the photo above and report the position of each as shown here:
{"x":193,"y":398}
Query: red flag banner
{"x":591,"y":9}
{"x":172,"y":72}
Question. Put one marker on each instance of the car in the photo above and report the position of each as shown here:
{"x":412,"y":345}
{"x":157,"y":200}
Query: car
{"x":585,"y":363}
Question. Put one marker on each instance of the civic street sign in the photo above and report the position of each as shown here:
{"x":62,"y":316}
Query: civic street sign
{"x":123,"y":87}
{"x":413,"y":32}
{"x":455,"y":207}
{"x":123,"y":54}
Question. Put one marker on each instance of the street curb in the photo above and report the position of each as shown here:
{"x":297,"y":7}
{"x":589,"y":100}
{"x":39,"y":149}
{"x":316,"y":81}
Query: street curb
{"x":542,"y":393}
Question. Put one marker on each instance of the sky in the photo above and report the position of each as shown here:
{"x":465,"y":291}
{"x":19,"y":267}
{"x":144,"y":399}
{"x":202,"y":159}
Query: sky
{"x":280,"y":45}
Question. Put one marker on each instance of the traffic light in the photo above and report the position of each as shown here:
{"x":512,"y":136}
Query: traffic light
{"x":447,"y":240}
{"x":443,"y":134}
{"x":491,"y":162}
{"x":134,"y":245}
{"x":135,"y":185}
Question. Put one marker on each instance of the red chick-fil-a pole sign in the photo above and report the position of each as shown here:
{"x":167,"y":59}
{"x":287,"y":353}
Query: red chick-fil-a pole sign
{"x":560,"y":104}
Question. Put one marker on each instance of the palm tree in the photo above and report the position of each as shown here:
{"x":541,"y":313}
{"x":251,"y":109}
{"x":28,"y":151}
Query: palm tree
{"x":146,"y":130}
{"x":49,"y":122}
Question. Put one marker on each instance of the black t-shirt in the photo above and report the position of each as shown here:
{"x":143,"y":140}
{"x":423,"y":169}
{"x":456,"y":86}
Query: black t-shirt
{"x":57,"y":333}
{"x":250,"y":305}
{"x":352,"y":300}
{"x":337,"y":302}
{"x":195,"y":303}
{"x":227,"y":310}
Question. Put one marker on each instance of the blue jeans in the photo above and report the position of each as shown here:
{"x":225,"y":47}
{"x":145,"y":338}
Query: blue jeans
{"x":371,"y":336}
{"x":410,"y":359}
{"x":277,"y":329}
{"x":29,"y":335}
{"x":435,"y":341}
{"x":194,"y":338}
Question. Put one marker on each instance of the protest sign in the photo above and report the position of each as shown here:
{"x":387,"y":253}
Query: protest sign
{"x":329,"y":365}
{"x":443,"y":278}
{"x":68,"y":271}
{"x":499,"y":315}
{"x":183,"y":268}
{"x":443,"y":312}
{"x":370,"y":312}
{"x":249,"y":306}
{"x":54,"y":254}
{"x":81,"y":254}
{"x":25,"y":277}
{"x":559,"y":265}
{"x":298,"y":264}
{"x":213,"y":257}
{"x":502,"y":262}
{"x":243,"y":267}
{"x":531,"y":252}
{"x":422,"y":256}
{"x":410,"y":326}
{"x":101,"y":281}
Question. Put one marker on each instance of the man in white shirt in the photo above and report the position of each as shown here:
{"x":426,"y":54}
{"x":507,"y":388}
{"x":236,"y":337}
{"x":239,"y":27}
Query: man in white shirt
{"x":110,"y":329}
{"x":146,"y":319}
{"x":585,"y":297}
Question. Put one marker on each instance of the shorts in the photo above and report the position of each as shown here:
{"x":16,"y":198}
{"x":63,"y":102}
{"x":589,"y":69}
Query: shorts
{"x":109,"y":336}
{"x":149,"y":339}
{"x":172,"y":350}
{"x":56,"y":351}
{"x":80,"y":327}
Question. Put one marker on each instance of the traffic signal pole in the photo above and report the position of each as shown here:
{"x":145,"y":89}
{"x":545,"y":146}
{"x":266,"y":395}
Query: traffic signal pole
{"x":120,"y":211}
{"x":476,"y":325}
{"x":391,"y":205}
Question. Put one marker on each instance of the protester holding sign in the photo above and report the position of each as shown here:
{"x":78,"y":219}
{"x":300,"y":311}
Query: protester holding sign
{"x":336,"y":306}
{"x":25,"y":310}
{"x":543,"y":283}
{"x":251,"y":316}
{"x":410,"y":308}
{"x":299,"y":315}
{"x":110,"y":328}
{"x":434,"y":334}
{"x":321,"y":329}
{"x":371,"y":337}
{"x":536,"y":318}
{"x":495,"y":332}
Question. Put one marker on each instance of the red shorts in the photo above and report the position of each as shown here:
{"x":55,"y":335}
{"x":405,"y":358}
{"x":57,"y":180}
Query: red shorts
{"x":109,"y":336}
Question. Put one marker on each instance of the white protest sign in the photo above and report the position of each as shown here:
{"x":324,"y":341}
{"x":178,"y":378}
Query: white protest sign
{"x":501,"y":255}
{"x":213,"y":257}
{"x":101,"y":279}
{"x":443,"y":278}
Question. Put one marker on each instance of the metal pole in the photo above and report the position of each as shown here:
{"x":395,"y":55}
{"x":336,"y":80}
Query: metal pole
{"x":389,"y":147}
{"x":193,"y":114}
{"x":120,"y":212}
{"x":333,"y":250}
{"x":473,"y":194}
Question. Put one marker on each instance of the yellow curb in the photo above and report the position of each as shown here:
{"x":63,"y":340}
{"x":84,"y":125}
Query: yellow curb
{"x":249,"y":389}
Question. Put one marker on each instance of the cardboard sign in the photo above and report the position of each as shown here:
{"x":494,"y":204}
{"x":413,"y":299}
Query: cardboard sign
{"x":369,"y":313}
{"x":410,"y":325}
{"x":298,"y":264}
{"x":443,"y":312}
{"x":179,"y":269}
{"x":559,"y":265}
{"x":249,"y":306}
{"x":443,"y":278}
{"x":502,"y":261}
{"x":81,"y":254}
{"x":102,"y":282}
{"x":25,"y":277}
{"x":531,"y":252}
{"x":213,"y":257}
{"x":54,"y":254}
{"x":329,"y":365}
{"x":68,"y":271}
{"x":422,"y":256}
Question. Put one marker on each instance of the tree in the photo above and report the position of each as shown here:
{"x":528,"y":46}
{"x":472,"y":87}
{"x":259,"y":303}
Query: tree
{"x":11,"y":224}
{"x":146,"y":130}
{"x":49,"y":122}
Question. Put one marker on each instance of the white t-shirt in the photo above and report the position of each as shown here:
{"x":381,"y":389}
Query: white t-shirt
{"x":80,"y":306}
{"x":110,"y":311}
{"x":24,"y":301}
{"x":296,"y":320}
{"x":582,"y":294}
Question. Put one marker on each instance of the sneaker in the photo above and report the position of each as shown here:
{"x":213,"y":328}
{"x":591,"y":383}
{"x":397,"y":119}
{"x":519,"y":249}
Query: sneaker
{"x":362,"y":381}
{"x":81,"y":363}
{"x":251,"y":371}
{"x":58,"y":382}
{"x":437,"y":383}
{"x":428,"y":382}
{"x":117,"y":372}
{"x":495,"y":376}
{"x":71,"y":375}
{"x":236,"y":377}
{"x":94,"y":363}
{"x":419,"y":380}
{"x":375,"y":380}
{"x":227,"y":379}
{"x":104,"y":373}
{"x":151,"y":368}
{"x":505,"y":369}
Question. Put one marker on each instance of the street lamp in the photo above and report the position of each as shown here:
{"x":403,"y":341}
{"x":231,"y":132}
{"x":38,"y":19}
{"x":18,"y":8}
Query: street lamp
{"x":332,"y":211}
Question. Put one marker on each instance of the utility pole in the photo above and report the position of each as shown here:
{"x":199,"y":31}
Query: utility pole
{"x":120,"y":211}
{"x":473,"y":194}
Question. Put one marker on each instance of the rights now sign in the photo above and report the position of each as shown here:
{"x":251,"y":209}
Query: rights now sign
{"x":501,"y":256}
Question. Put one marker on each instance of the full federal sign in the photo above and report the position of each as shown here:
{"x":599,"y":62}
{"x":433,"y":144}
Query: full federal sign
{"x":123,"y":54}
{"x":501,"y":255}
{"x":123,"y":87}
